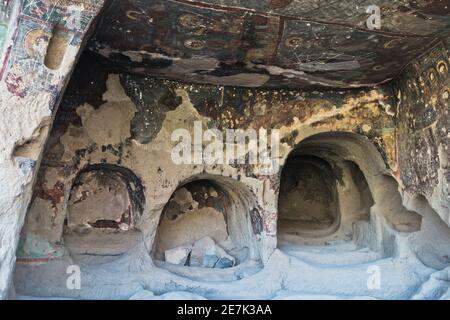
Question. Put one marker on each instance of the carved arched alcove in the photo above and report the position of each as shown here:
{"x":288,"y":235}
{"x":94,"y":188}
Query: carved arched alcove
{"x":105,"y":203}
{"x":208,"y":222}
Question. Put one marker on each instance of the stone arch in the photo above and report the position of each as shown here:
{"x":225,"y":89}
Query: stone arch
{"x":102,"y":211}
{"x":209,"y":206}
{"x":345,"y":151}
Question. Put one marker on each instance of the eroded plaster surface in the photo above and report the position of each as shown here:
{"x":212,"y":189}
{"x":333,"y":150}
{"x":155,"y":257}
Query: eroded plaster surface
{"x":109,"y":198}
{"x":29,"y":92}
{"x":126,"y":121}
{"x":268,"y":43}
{"x":424,"y":129}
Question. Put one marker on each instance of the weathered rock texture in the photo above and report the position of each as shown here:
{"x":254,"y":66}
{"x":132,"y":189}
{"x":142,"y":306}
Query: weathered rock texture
{"x":86,"y":134}
{"x":270,"y":43}
{"x":40,"y":53}
{"x":108,"y":193}
{"x":424,"y":129}
{"x":119,"y":120}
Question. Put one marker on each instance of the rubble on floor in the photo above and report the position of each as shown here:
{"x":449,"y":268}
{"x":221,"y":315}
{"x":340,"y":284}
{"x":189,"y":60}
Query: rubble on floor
{"x":203,"y":253}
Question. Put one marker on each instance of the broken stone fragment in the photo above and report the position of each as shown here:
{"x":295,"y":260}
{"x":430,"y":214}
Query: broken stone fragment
{"x":216,"y":257}
{"x":223,"y":263}
{"x":172,"y":210}
{"x":213,"y":192}
{"x":200,"y":250}
{"x":82,"y":228}
{"x":184,"y":200}
{"x":177,"y":255}
{"x":207,"y":254}
{"x":190,"y":227}
{"x":225,"y":260}
{"x":124,"y":227}
{"x":210,"y":259}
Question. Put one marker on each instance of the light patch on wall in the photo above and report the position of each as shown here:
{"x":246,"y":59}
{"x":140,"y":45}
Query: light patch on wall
{"x":118,"y":110}
{"x":56,"y":49}
{"x":32,"y":147}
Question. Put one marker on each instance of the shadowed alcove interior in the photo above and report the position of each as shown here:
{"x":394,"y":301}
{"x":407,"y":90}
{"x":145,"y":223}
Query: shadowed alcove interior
{"x":104,"y":205}
{"x":207,"y":223}
{"x":322,"y":193}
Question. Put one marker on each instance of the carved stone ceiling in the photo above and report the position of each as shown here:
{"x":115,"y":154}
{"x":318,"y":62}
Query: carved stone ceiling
{"x":305,"y":44}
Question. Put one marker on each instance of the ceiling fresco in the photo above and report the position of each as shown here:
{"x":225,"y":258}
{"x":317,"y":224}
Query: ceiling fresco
{"x":305,"y":44}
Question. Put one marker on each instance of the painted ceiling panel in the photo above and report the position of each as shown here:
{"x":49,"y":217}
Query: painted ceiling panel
{"x":304,"y":44}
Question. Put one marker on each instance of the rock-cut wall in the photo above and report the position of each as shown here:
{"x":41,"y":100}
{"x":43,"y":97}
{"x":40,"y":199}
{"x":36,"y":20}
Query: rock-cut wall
{"x":112,"y":118}
{"x":423,"y":121}
{"x":40,"y":49}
